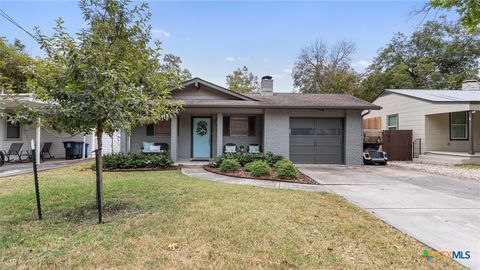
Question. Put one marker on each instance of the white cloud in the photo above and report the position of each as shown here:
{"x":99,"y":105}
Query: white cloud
{"x":238,"y":58}
{"x":287,"y":70}
{"x":160,"y":32}
{"x":361,"y":65}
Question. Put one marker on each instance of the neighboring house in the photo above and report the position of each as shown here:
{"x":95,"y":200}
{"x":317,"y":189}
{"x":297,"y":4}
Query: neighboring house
{"x":306,"y":128}
{"x":447,"y":122}
{"x":16,"y":133}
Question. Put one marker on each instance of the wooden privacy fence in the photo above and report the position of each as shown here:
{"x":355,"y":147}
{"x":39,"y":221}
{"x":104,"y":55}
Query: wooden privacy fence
{"x":372,"y":123}
{"x":398,"y":144}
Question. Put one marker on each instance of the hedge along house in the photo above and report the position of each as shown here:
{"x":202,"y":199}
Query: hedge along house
{"x":306,"y":128}
{"x":11,"y":133}
{"x":446,"y":123}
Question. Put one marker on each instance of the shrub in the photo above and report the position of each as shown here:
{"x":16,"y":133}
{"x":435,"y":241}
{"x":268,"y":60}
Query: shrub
{"x":285,"y":169}
{"x":229,"y":165}
{"x":258,"y":168}
{"x":134,"y":161}
{"x":244,"y":158}
{"x":271,"y":158}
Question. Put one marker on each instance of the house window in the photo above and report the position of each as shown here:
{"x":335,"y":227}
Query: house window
{"x":13,"y":131}
{"x":392,"y":122}
{"x":162,"y":128}
{"x":239,"y":126}
{"x":459,"y":126}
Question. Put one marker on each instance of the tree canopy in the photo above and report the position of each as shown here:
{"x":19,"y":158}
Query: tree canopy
{"x":469,"y":11}
{"x":439,"y":55}
{"x":242,"y":81}
{"x":323,"y":69}
{"x":14,"y":65}
{"x":107,"y":78}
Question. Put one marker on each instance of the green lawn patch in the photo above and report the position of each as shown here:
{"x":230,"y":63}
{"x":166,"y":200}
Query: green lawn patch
{"x":469,"y":166}
{"x":170,"y":221}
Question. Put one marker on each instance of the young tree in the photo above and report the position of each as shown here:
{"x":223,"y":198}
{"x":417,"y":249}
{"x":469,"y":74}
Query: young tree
{"x":320,"y":69}
{"x":469,"y":11}
{"x":106,"y":79}
{"x":242,"y":81}
{"x":440,"y":55}
{"x":14,"y":63}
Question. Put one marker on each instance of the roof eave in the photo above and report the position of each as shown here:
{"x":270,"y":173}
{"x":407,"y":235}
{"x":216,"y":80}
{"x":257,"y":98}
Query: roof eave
{"x":283,"y":107}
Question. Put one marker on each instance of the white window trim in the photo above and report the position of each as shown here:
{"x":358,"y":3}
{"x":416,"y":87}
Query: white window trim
{"x":238,"y":118}
{"x":466,"y":138}
{"x":20,"y":132}
{"x":396,"y":126}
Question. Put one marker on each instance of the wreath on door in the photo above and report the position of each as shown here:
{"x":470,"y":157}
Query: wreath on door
{"x":202,"y":128}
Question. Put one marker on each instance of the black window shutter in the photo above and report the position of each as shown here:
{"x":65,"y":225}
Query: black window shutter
{"x":226,"y":126}
{"x":150,"y":129}
{"x":251,"y":125}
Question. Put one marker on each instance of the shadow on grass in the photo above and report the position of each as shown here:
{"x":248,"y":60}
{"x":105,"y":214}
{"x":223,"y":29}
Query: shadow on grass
{"x":88,"y":212}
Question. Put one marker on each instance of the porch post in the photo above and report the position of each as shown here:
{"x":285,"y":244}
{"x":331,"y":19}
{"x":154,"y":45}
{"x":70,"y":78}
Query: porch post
{"x":84,"y":146}
{"x":92,"y":145}
{"x":173,"y":138}
{"x":471,"y":149}
{"x":219,"y":134}
{"x":38,"y":131}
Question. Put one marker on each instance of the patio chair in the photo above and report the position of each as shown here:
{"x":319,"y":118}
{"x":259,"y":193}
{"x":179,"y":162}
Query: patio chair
{"x":46,"y":151}
{"x":254,"y":148}
{"x":15,"y":150}
{"x":2,"y":159}
{"x":154,"y":148}
{"x":229,"y":148}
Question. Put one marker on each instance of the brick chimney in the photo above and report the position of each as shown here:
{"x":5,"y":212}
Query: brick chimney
{"x":470,"y":85}
{"x":266,"y":88}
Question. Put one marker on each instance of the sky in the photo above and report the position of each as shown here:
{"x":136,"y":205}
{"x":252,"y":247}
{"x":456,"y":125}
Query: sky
{"x":215,"y":37}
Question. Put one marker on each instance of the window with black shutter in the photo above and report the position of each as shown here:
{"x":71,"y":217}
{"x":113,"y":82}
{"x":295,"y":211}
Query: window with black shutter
{"x":150,"y":129}
{"x":251,"y":125}
{"x":226,"y":126}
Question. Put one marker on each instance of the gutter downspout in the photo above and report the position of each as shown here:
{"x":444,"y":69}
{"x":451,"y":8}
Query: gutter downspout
{"x":366,"y":113}
{"x":471,"y":149}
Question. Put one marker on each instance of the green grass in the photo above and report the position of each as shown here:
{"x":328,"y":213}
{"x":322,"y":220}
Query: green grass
{"x":469,"y":166}
{"x":211,"y":226}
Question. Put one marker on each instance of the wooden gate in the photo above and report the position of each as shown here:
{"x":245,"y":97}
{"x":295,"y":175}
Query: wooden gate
{"x":397,"y":144}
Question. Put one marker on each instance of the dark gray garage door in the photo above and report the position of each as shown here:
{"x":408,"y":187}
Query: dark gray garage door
{"x":316,"y":140}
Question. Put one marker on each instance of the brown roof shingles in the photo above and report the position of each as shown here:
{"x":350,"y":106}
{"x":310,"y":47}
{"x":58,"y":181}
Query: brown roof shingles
{"x":289,"y":100}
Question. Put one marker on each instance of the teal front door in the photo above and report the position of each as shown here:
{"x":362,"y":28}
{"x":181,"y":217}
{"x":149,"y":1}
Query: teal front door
{"x":201,"y":137}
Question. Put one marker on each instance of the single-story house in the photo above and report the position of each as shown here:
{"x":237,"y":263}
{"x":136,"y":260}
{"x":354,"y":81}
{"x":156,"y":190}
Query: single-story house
{"x":446,"y":123}
{"x":306,"y":128}
{"x":17,"y":133}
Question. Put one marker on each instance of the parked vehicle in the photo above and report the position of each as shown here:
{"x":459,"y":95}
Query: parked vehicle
{"x":371,"y":153}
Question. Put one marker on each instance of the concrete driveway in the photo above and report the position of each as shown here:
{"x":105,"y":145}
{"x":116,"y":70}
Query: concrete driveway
{"x":442,"y":212}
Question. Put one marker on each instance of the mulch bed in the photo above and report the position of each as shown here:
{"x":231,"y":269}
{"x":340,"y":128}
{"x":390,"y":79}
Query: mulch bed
{"x":172,"y":168}
{"x":241,"y":173}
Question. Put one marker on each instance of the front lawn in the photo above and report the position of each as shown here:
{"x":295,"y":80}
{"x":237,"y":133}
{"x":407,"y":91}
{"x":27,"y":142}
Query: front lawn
{"x":165,"y":220}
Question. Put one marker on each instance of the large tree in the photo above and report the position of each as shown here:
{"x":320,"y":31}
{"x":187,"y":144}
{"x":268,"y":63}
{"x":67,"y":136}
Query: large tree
{"x":323,"y":69}
{"x":469,"y":11}
{"x":14,"y":64}
{"x":171,"y":67}
{"x":440,"y":55}
{"x":106,"y":79}
{"x":242,"y":81}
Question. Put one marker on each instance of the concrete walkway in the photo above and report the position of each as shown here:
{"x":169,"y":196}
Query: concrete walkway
{"x":200,"y":173}
{"x":12,"y":169}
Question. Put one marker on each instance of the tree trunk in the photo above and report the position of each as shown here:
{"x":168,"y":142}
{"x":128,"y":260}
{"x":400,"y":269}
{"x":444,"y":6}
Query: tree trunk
{"x":99,"y":159}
